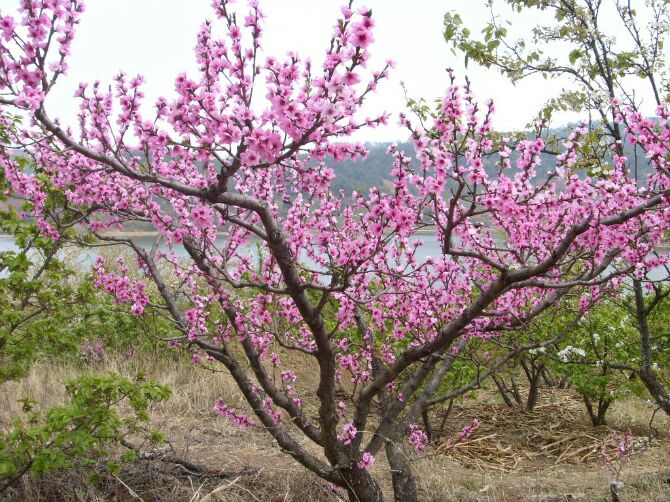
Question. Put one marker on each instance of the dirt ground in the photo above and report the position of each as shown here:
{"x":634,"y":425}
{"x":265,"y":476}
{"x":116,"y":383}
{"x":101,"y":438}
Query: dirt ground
{"x":545,"y":455}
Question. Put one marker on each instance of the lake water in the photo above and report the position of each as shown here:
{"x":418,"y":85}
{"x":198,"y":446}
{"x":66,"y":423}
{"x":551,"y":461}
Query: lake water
{"x":85,"y":258}
{"x":430,"y":248}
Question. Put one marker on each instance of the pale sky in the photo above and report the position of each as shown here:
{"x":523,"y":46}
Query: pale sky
{"x":156,"y":38}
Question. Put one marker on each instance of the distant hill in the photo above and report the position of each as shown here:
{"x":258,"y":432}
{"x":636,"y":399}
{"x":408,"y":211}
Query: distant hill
{"x":375,"y":169}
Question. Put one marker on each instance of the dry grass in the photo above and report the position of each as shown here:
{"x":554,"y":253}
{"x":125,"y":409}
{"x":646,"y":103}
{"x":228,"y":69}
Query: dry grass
{"x":147,"y":482}
{"x":544,"y":455}
{"x":258,"y":471}
{"x":554,"y":432}
{"x":195,"y":389}
{"x":194,"y":432}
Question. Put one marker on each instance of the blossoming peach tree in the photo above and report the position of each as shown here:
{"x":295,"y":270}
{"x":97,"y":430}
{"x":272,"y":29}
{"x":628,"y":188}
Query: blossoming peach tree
{"x":235,"y":159}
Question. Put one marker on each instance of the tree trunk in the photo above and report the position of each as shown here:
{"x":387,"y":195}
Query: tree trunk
{"x":647,"y":374}
{"x":656,"y":389}
{"x":532,"y":394}
{"x":548,"y":379}
{"x":361,"y":486}
{"x":404,"y":485}
{"x":426,"y":425}
{"x":515,"y":391}
{"x":589,"y":408}
{"x":533,"y":373}
{"x":444,"y":419}
{"x":597,"y":416}
{"x":503,"y":391}
{"x":603,"y":406}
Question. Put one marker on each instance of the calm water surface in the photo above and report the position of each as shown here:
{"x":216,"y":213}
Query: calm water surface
{"x":430,"y":248}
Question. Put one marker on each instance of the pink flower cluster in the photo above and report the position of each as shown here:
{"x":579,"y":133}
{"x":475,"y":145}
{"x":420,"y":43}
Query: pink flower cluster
{"x":124,"y":289}
{"x":618,"y":451}
{"x":42,"y":22}
{"x":349,"y":432}
{"x":417,"y":438}
{"x":239,"y":419}
{"x":366,"y":462}
{"x":469,"y":430}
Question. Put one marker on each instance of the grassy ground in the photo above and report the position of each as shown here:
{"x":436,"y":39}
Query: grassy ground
{"x":514,"y":456}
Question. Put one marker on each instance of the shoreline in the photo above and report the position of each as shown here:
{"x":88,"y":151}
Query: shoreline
{"x":152,"y":233}
{"x":665,"y":246}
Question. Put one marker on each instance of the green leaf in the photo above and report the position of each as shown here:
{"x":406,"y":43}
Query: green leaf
{"x":574,"y":56}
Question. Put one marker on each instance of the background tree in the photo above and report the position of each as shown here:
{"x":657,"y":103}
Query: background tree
{"x":49,"y":310}
{"x":607,"y":52}
{"x":38,"y":296}
{"x":600,"y":60}
{"x":647,"y":317}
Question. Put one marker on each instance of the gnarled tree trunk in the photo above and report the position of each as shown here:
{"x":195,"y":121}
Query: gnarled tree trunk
{"x":648,"y":376}
{"x":361,"y":486}
{"x":404,"y":485}
{"x":597,"y":416}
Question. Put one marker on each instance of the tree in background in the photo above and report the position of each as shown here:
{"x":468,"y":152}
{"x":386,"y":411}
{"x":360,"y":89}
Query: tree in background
{"x":338,"y":288}
{"x":648,"y":316}
{"x":48,"y":311}
{"x":35,"y":295}
{"x":603,"y":50}
{"x":609,"y":53}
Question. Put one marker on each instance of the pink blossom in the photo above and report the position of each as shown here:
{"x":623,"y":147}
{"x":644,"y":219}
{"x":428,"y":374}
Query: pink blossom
{"x":366,"y":461}
{"x":348,"y":433}
{"x":469,"y":430}
{"x":232,"y":414}
{"x":417,"y":438}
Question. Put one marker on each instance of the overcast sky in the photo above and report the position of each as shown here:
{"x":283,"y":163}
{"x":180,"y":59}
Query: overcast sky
{"x":156,"y":38}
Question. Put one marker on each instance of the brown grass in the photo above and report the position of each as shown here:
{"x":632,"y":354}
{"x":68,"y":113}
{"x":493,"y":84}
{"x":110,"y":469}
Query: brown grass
{"x":259,"y":471}
{"x":544,"y":455}
{"x":554,"y":432}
